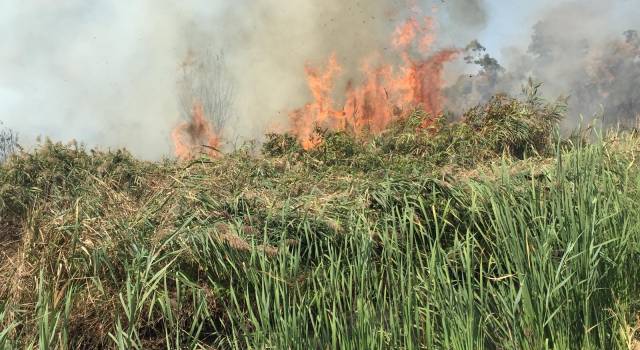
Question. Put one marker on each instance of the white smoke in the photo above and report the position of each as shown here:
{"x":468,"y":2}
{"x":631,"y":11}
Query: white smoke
{"x":102,"y":72}
{"x":584,"y":50}
{"x":107,"y":72}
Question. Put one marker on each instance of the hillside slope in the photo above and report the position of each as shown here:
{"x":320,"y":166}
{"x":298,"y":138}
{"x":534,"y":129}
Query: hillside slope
{"x":491,"y":232}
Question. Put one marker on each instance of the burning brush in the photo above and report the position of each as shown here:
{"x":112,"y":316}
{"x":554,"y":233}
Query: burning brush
{"x":385,"y":91}
{"x":196,"y":136}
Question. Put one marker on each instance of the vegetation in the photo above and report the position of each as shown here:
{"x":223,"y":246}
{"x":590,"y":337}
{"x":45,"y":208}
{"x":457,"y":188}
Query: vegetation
{"x":8,"y":143}
{"x":488,"y":233}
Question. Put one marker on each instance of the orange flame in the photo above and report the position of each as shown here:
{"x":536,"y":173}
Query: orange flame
{"x":195,"y":136}
{"x":384,"y":92}
{"x":406,"y":33}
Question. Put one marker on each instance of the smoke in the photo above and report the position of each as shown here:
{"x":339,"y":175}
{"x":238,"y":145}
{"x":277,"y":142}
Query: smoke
{"x":470,"y":15}
{"x":584,"y":50}
{"x":101,"y":72}
{"x":112,"y":74}
{"x":268,"y":43}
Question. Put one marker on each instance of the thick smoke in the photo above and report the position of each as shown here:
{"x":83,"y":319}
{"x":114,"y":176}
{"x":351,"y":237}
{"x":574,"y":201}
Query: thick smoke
{"x":118,"y":74}
{"x":268,"y":43}
{"x":469,"y":15}
{"x":101,"y":72}
{"x":115,"y":74}
{"x":584,"y":50}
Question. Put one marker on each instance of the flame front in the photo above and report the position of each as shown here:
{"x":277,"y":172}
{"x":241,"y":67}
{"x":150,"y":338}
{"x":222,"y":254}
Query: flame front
{"x":385,"y":91}
{"x":195,"y":136}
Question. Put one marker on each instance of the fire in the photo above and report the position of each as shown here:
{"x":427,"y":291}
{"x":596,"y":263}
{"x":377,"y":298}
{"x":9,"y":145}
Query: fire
{"x":195,"y":136}
{"x":406,"y":34}
{"x":385,"y":91}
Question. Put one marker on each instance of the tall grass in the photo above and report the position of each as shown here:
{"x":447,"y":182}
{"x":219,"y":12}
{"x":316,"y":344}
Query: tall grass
{"x":531,"y":253}
{"x":552,"y":265}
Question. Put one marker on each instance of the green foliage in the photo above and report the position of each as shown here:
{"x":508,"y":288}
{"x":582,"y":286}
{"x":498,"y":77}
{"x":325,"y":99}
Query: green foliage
{"x":481,"y":234}
{"x":277,"y":145}
{"x":504,"y":125}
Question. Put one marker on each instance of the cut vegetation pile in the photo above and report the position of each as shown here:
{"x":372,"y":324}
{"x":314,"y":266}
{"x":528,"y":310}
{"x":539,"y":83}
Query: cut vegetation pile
{"x":487,"y":233}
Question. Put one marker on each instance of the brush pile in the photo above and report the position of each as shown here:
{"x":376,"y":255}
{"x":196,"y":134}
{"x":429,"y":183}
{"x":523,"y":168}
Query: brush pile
{"x":489,"y":232}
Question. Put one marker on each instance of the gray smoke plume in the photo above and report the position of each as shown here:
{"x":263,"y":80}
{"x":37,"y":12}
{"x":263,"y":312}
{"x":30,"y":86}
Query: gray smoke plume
{"x":119,"y":74}
{"x":101,"y":72}
{"x":584,"y":50}
{"x":468,"y":14}
{"x":114,"y":74}
{"x":268,"y":43}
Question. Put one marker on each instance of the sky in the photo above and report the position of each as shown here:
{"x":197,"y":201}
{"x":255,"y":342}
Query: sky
{"x":510,"y":21}
{"x":104,"y":72}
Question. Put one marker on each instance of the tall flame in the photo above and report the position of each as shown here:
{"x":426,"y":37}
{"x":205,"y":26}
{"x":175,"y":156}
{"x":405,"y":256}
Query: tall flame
{"x":384,"y":92}
{"x":195,"y":136}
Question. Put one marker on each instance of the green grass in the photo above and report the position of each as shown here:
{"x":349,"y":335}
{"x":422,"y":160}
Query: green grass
{"x":490,"y":233}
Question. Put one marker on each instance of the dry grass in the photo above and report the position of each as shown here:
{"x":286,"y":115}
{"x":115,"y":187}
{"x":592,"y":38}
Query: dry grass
{"x":393,"y":234}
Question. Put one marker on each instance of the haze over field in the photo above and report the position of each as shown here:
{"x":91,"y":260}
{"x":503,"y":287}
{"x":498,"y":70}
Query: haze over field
{"x":109,"y":74}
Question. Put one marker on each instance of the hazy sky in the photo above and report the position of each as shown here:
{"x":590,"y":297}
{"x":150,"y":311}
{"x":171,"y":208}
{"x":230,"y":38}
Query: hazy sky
{"x":104,"y":71}
{"x":510,"y":22}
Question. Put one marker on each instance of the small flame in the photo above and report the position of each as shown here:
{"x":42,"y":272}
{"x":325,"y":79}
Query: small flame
{"x":195,"y":136}
{"x":384,"y":92}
